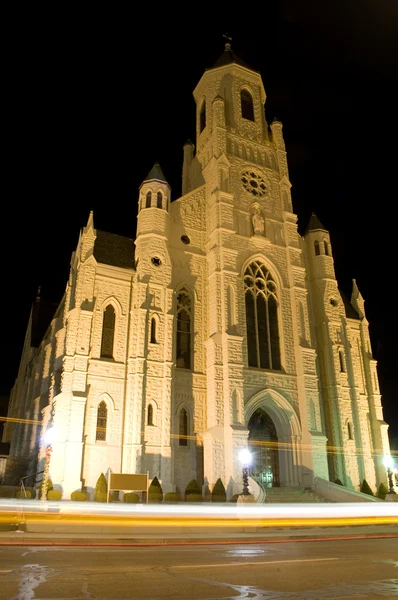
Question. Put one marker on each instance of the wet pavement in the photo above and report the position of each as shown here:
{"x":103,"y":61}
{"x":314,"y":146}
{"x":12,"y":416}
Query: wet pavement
{"x":318,"y":570}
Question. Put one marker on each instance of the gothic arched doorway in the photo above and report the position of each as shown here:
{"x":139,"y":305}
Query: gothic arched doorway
{"x":263,"y":444}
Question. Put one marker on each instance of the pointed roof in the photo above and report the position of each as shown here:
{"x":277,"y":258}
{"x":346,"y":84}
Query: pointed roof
{"x":228,"y":57}
{"x":90,"y":222}
{"x":156,"y":173}
{"x":314,"y":224}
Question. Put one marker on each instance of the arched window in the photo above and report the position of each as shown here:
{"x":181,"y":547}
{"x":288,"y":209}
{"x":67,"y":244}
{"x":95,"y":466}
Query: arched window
{"x":148,"y":199}
{"x":202,"y":117}
{"x":349,"y":431}
{"x":246,"y":102}
{"x":261,"y":318}
{"x":184,"y":317}
{"x":102,"y":417}
{"x":342,"y":361}
{"x":316,"y":247}
{"x":153,"y":330}
{"x":183,"y":428}
{"x":150,"y":415}
{"x":325,"y":245}
{"x":108,"y":332}
{"x":159,"y":200}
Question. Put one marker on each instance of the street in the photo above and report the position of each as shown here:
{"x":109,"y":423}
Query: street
{"x":322,"y":570}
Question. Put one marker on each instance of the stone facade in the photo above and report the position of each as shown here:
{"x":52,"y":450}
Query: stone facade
{"x":179,"y":387}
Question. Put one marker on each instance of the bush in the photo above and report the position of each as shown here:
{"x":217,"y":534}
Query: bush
{"x":131,"y":498}
{"x":29,"y":494}
{"x":193,"y":489}
{"x":235,"y":498}
{"x":172,"y":497}
{"x":218,"y":494}
{"x":339,"y":482}
{"x":155,"y":492}
{"x":79,"y":496}
{"x":54,"y":495}
{"x":382,"y":491}
{"x":101,"y":489}
{"x":365,"y":488}
{"x":9,"y":491}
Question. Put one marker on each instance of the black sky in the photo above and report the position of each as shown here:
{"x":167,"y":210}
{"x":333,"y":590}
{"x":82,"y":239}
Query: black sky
{"x":93,"y":99}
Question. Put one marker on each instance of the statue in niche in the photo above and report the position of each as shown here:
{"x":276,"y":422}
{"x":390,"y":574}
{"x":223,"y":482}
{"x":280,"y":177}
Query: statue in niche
{"x":258,"y":222}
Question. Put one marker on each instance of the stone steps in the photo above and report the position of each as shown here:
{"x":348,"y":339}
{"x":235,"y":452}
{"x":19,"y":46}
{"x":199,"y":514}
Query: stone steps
{"x":292,"y":495}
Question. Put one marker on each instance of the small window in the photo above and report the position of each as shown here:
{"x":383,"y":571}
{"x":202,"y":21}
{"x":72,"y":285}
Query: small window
{"x":202,"y":118}
{"x":342,"y":361}
{"x":316,"y":247}
{"x":246,"y":102}
{"x":150,"y":415}
{"x":102,"y":417}
{"x":159,"y":200}
{"x":349,"y":431}
{"x":183,"y":428}
{"x":185,"y":239}
{"x":325,"y":245}
{"x":148,"y":200}
{"x":156,"y":261}
{"x":153,"y":330}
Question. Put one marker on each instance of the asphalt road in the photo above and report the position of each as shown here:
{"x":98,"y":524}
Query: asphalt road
{"x":338,"y":570}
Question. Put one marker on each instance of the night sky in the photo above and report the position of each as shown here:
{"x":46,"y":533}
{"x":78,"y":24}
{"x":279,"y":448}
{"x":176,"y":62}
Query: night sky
{"x":93,"y":100}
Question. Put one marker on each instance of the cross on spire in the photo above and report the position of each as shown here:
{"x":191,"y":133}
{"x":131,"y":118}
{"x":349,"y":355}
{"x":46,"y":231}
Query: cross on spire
{"x":229,"y":40}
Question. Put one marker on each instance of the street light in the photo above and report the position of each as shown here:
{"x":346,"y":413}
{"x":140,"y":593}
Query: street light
{"x":389,"y":463}
{"x":245,"y":458}
{"x":49,"y":438}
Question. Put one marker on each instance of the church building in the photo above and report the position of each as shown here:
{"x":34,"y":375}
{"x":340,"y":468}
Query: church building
{"x":218,"y":328}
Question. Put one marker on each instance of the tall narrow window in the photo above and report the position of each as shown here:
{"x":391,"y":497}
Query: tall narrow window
{"x":202,"y":117}
{"x":148,"y":199}
{"x":349,"y":431}
{"x":231,"y":308}
{"x":342,"y":361}
{"x":153,"y":330}
{"x":261,"y":318}
{"x":150,"y":415}
{"x":183,"y":428}
{"x":108,"y":332}
{"x":302,"y":322}
{"x":159,"y":200}
{"x":316,"y":247}
{"x":325,"y":245}
{"x":102,"y":417}
{"x":246,"y":102}
{"x":184,"y":316}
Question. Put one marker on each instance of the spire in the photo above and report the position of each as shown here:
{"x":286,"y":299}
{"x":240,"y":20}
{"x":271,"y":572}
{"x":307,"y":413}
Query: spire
{"x":357,"y":300}
{"x":156,"y":173}
{"x":228,"y":56}
{"x":314,"y":224}
{"x":90,"y":222}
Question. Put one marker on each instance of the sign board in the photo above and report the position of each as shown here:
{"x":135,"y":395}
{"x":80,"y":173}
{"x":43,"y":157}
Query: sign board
{"x":128,"y":482}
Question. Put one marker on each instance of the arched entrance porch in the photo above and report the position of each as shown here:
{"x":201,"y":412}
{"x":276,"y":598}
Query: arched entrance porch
{"x":278,"y":423}
{"x":263,"y":445}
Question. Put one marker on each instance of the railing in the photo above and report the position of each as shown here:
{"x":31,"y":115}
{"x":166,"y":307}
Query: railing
{"x":22,"y":484}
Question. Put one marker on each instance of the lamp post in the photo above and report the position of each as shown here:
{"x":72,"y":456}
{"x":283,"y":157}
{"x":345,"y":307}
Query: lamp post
{"x":389,"y":463}
{"x":48,"y":438}
{"x":245,"y":458}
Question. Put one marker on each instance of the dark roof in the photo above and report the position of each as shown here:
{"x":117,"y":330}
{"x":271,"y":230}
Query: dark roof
{"x":314,"y":224}
{"x":350,"y":311}
{"x":113,"y":249}
{"x":42,"y":315}
{"x":228,"y":57}
{"x":156,"y":173}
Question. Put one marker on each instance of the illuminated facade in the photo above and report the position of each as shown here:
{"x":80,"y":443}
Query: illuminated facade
{"x":219,"y":324}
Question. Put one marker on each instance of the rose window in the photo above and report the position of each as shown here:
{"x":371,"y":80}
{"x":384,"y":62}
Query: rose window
{"x":253,"y":183}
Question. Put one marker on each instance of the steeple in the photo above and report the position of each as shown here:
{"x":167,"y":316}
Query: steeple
{"x":229,"y":56}
{"x":314,"y":224}
{"x":156,"y":174}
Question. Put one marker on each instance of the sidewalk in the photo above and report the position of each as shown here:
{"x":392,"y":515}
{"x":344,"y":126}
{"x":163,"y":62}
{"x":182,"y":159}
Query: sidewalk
{"x":127,"y":538}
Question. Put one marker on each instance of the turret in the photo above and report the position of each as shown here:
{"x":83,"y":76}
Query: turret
{"x":319,"y":250}
{"x":153,"y":204}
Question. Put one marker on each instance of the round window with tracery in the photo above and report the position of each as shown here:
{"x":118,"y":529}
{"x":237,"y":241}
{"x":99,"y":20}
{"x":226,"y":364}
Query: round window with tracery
{"x":253,"y":183}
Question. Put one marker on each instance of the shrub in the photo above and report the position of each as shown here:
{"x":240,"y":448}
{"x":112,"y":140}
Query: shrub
{"x":131,"y":498}
{"x":382,"y":491}
{"x":9,"y":491}
{"x":155,"y":492}
{"x":193,"y":492}
{"x":79,"y":496}
{"x":172,"y":497}
{"x":54,"y":495}
{"x":21,"y":495}
{"x":218,"y":494}
{"x":101,"y":489}
{"x":339,"y":482}
{"x":365,"y":488}
{"x":235,"y":498}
